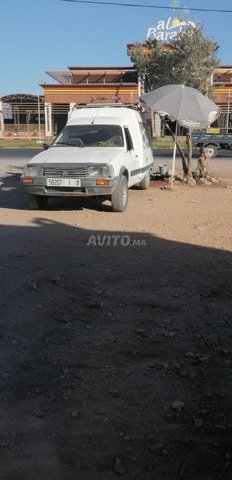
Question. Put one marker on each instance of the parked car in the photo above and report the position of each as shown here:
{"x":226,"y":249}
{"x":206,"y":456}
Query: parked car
{"x":102,"y":150}
{"x":213,"y":138}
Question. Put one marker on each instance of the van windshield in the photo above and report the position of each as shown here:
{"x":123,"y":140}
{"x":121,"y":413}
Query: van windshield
{"x":90,"y":136}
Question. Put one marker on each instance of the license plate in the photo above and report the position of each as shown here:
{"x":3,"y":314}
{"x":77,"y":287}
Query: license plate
{"x":63,"y":182}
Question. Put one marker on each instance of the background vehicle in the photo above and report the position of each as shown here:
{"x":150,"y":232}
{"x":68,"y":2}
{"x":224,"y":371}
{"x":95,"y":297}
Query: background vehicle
{"x":214,"y":139}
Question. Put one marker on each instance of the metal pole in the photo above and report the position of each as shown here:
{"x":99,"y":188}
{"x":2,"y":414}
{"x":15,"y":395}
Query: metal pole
{"x":139,"y":86}
{"x":174,"y":157}
{"x":228,"y":112}
{"x":39,"y":124}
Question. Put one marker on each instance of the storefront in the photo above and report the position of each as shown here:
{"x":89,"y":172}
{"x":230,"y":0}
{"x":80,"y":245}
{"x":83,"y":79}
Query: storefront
{"x":84,"y":85}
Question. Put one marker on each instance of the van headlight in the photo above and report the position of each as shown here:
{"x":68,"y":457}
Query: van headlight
{"x":99,"y":171}
{"x":32,"y":171}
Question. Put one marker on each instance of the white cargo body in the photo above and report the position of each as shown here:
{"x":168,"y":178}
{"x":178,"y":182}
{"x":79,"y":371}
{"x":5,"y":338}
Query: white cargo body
{"x":102,"y":150}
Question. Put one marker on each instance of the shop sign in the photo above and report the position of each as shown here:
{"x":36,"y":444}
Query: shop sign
{"x":103,"y":99}
{"x":164,"y":31}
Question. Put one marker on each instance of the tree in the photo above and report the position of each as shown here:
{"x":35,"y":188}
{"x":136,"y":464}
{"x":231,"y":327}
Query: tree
{"x":195,"y":59}
{"x":189,"y":59}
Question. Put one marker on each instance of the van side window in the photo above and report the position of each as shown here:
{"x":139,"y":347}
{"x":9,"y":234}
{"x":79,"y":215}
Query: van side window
{"x":148,"y":127}
{"x":129,"y":142}
{"x":146,"y":142}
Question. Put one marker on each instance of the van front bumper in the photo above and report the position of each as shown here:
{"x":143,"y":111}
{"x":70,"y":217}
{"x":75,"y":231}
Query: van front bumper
{"x":87,"y":188}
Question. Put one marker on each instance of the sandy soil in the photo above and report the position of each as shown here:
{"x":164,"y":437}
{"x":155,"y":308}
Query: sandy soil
{"x":115,"y":336}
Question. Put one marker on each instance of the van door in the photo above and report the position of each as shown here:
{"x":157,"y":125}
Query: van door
{"x":147,"y":157}
{"x":132,"y":159}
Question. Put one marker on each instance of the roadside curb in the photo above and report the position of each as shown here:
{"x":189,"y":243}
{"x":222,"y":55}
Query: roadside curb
{"x":21,"y":148}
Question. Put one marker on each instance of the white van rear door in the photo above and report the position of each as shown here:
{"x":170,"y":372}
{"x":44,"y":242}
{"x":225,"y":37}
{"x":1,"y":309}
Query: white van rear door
{"x":147,"y":156}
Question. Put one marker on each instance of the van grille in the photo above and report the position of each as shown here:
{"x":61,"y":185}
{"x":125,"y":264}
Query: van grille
{"x":63,"y":172}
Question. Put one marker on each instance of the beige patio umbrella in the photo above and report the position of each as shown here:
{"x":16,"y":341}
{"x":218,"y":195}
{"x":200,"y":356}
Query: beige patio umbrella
{"x":185,"y":105}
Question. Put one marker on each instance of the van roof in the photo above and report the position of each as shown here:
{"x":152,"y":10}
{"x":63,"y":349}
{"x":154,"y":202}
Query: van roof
{"x":106,"y":105}
{"x":96,"y":113}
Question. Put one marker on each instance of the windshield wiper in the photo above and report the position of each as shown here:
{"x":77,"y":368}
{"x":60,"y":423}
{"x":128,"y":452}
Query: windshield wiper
{"x":68,"y":144}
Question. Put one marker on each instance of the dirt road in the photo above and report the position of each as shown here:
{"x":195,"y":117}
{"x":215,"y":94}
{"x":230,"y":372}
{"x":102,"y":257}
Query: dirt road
{"x":115,"y":336}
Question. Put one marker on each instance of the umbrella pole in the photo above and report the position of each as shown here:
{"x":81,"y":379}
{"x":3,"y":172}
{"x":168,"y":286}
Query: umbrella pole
{"x":174,"y":159}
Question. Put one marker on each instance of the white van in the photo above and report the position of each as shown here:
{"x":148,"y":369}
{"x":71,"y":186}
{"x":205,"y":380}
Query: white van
{"x":102,"y":150}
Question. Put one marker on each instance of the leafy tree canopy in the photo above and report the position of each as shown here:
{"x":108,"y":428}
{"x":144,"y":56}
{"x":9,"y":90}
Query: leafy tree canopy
{"x":190,"y":59}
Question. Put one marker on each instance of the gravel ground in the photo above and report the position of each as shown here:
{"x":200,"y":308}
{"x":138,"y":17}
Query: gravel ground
{"x":115,"y":335}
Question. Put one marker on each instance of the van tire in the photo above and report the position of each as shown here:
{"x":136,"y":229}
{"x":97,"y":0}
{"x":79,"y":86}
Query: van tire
{"x":119,"y":197}
{"x":146,"y":182}
{"x":37,"y":202}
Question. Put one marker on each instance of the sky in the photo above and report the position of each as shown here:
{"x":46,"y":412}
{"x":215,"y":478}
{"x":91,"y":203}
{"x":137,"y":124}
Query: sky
{"x":42,"y":35}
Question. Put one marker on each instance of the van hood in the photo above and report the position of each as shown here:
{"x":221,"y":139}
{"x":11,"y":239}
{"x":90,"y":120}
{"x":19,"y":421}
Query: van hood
{"x":77,"y":155}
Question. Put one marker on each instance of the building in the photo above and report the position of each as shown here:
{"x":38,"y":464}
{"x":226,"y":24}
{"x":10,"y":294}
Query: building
{"x":25,"y":116}
{"x":222,"y":87}
{"x":22,"y":115}
{"x":81,"y":85}
{"x":41,"y":116}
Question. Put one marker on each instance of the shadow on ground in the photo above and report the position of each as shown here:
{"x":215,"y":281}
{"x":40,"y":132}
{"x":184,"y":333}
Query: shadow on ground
{"x":115,"y":356}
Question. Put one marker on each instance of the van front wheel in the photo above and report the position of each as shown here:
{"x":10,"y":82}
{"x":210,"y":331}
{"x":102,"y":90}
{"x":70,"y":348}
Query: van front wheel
{"x":119,"y":197}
